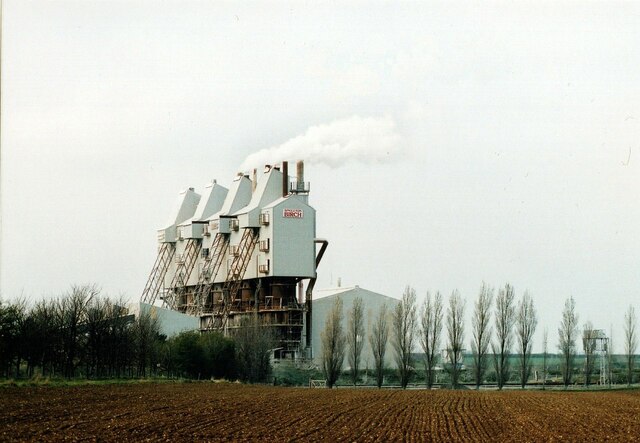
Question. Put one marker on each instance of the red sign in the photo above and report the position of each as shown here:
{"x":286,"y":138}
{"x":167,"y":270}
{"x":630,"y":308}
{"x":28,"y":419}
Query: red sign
{"x":292,"y":213}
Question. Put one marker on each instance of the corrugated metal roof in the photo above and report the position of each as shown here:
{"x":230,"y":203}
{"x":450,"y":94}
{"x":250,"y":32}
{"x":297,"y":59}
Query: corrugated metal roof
{"x":320,"y":294}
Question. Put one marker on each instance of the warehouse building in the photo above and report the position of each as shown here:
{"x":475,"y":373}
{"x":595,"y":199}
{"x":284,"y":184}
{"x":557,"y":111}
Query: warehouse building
{"x":372,"y":302}
{"x":170,"y":322}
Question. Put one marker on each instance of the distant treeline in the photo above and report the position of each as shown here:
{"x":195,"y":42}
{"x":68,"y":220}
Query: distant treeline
{"x":82,"y":334}
{"x":500,"y":340}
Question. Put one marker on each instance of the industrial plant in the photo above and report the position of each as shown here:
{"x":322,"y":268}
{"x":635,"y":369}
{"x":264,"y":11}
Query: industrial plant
{"x":230,"y":253}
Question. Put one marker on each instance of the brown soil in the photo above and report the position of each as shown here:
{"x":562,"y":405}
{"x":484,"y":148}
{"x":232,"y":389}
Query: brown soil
{"x":231,"y":412}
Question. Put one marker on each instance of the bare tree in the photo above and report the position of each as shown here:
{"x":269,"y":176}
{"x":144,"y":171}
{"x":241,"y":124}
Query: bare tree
{"x":526,"y":323}
{"x":120,"y":340}
{"x":589,"y":344}
{"x":72,"y":311}
{"x":12,"y":327}
{"x":567,"y":333}
{"x":42,"y":337}
{"x":253,"y":341}
{"x":630,"y":341}
{"x":545,"y":350}
{"x":481,"y":331}
{"x":333,"y":344}
{"x":78,"y":334}
{"x":378,"y":340}
{"x":504,"y":321}
{"x":455,"y":330}
{"x":23,"y":329}
{"x":431,"y":320}
{"x":97,"y":325}
{"x":146,"y":329}
{"x":404,"y":326}
{"x":355,"y":337}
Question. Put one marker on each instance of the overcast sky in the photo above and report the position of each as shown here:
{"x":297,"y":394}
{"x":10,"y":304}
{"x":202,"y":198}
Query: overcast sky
{"x":446,"y":143}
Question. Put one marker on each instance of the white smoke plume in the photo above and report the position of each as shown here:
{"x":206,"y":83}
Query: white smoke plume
{"x":366,"y":140}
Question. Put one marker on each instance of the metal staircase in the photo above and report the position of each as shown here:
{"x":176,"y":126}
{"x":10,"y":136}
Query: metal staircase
{"x":235,"y":275}
{"x":178,"y":287}
{"x":158,"y":272}
{"x":210,"y":269}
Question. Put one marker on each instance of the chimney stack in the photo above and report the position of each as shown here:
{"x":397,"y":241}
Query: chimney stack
{"x":285,"y":179}
{"x":300,"y":173}
{"x":254,"y":180}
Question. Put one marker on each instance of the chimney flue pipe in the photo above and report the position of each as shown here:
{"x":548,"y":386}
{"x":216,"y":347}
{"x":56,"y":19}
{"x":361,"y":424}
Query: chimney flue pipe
{"x":285,"y":179}
{"x":254,"y":180}
{"x":310,"y":286}
{"x":300,"y":174}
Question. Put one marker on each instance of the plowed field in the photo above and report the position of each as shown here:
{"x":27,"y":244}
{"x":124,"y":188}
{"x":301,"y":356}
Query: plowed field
{"x":230,"y":412}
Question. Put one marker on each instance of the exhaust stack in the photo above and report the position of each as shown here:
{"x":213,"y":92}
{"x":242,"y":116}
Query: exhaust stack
{"x":254,"y":180}
{"x":300,"y":174}
{"x":285,"y":179}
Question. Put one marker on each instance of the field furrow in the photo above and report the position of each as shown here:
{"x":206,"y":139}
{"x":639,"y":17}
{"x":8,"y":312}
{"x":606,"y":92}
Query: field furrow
{"x":232,"y":412}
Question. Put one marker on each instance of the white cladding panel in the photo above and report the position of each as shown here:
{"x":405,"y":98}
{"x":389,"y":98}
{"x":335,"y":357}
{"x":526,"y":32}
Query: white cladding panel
{"x":192,"y":230}
{"x":238,"y":197}
{"x":224,"y":225}
{"x":171,"y":322}
{"x":265,"y":247}
{"x":167,"y":235}
{"x":184,"y":210}
{"x":293,"y":225}
{"x":211,"y":202}
{"x":186,"y":207}
{"x":243,"y":220}
{"x":268,"y":190}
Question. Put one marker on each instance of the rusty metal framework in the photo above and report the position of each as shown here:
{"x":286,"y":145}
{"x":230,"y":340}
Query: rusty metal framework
{"x":223,"y":305}
{"x":176,"y":296}
{"x":208,"y":274}
{"x":275,"y":303}
{"x":230,"y":291}
{"x":155,"y":281}
{"x":275,"y":300}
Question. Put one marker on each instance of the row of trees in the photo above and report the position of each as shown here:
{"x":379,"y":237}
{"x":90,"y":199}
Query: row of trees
{"x":501,"y":326}
{"x":569,"y":334}
{"x":83,"y":334}
{"x":79,"y":333}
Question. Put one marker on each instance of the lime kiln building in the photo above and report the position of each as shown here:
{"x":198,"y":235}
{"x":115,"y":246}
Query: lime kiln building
{"x":248,"y":249}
